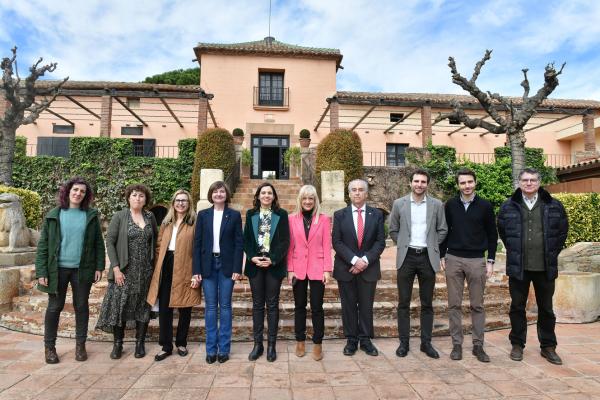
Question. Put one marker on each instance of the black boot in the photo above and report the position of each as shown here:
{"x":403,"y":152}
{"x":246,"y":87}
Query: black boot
{"x":140,"y":338}
{"x":271,"y":351}
{"x":118,"y":334}
{"x":256,"y":352}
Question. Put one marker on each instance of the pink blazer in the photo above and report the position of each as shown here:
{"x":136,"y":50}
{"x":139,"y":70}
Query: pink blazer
{"x":310,"y":257}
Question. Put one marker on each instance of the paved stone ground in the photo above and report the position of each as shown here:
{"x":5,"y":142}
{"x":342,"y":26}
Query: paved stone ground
{"x":24,"y":375}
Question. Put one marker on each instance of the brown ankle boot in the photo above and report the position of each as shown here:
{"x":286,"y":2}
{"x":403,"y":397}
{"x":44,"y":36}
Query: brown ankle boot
{"x":51,"y":356}
{"x":317,"y":353}
{"x":300,"y":349}
{"x":80,"y":353}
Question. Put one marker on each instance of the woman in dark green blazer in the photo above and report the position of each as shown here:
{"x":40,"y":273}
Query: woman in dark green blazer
{"x":70,"y":251}
{"x":266,"y":242}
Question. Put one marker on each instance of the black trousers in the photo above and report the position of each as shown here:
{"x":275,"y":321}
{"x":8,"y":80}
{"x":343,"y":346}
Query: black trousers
{"x":265,"y":290}
{"x":317,"y":289}
{"x":544,"y":291}
{"x":419,"y":265}
{"x":56,"y":303}
{"x":165,"y":313}
{"x":357,"y":296}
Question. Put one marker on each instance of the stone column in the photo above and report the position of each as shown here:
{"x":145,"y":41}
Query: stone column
{"x":425,"y":125}
{"x":106,"y":115}
{"x":332,"y":191}
{"x":207,"y":178}
{"x":202,"y":114}
{"x":334,"y":115}
{"x":589,"y":139}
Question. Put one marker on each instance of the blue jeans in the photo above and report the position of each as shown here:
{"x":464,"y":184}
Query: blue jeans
{"x":217,"y":299}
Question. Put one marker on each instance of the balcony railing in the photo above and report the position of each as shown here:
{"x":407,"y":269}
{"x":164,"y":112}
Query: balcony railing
{"x":381,"y":159}
{"x":271,"y":97}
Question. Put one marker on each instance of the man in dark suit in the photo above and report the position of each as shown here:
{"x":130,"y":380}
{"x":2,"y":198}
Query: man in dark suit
{"x":358,"y":240}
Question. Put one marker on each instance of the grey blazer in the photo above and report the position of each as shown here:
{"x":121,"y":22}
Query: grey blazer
{"x":400,"y":229}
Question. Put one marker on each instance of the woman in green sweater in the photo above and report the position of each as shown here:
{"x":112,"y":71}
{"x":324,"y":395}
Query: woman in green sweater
{"x":70,"y":251}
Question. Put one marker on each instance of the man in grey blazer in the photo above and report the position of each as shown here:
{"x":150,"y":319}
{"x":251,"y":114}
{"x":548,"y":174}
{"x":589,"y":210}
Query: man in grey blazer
{"x":418,"y":227}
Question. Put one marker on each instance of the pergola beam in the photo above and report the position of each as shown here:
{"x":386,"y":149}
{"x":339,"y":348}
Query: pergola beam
{"x":68,"y":121}
{"x":322,"y":117}
{"x":162,"y":100}
{"x":369,"y":111}
{"x":125,"y":106}
{"x":401,"y":120}
{"x":212,"y":116}
{"x":82,"y":106}
{"x":549,"y":122}
{"x":125,"y":93}
{"x":421,"y":130}
{"x":463,"y":127}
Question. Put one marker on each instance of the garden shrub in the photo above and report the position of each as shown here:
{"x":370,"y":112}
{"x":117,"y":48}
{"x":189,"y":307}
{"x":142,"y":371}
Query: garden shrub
{"x":215,"y":150}
{"x":340,"y":150}
{"x":583,"y":210}
{"x":31,"y":203}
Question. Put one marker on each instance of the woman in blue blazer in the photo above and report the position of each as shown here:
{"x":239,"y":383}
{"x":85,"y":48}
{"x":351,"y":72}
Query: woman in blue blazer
{"x":266,"y":243}
{"x":217,"y":263}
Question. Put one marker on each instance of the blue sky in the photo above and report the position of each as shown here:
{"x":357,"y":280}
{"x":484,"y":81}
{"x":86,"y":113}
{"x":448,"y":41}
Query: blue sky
{"x":388,"y":46}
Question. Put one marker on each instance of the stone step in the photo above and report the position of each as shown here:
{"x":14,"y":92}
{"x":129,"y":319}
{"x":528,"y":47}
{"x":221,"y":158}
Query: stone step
{"x":33,"y":322}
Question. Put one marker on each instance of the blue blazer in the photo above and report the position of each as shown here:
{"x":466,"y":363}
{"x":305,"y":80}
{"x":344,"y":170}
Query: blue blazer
{"x":231,"y":243}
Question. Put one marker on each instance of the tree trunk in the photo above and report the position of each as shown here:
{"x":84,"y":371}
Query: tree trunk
{"x":7,"y":154}
{"x":516,"y":141}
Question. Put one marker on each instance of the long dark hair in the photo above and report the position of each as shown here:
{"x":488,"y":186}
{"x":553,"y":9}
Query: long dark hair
{"x":63,"y":193}
{"x":256,"y":202}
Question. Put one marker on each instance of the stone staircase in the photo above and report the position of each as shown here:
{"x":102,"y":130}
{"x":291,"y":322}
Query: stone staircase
{"x":287,"y":192}
{"x":27,"y":314}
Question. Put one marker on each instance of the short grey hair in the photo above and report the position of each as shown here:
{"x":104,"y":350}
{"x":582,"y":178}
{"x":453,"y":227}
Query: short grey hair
{"x":364,"y":183}
{"x":531,"y":171}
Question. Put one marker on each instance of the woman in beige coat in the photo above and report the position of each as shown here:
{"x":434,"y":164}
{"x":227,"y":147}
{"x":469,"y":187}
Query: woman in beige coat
{"x":172,"y":282}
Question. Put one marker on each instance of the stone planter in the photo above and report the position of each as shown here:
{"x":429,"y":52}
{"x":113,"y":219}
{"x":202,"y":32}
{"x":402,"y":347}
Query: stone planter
{"x":576,"y":297}
{"x":245,"y":171}
{"x":9,"y":286}
{"x":304,"y":142}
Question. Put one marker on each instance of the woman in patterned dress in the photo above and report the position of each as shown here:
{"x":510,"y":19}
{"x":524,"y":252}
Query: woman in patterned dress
{"x":266,"y":242}
{"x":130,"y":243}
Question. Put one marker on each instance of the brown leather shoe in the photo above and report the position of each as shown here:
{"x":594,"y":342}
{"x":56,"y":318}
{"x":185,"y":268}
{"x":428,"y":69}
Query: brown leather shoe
{"x":80,"y":353}
{"x":51,"y":356}
{"x":317,"y":352}
{"x":549,"y":353}
{"x":300,"y":349}
{"x":516,"y":354}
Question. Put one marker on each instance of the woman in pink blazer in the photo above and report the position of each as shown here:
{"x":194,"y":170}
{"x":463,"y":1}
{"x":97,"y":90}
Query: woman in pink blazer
{"x":309,"y":263}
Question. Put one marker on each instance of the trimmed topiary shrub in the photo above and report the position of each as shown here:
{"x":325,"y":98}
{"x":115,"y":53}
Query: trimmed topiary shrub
{"x":304,"y":134}
{"x":340,"y":150}
{"x":214,"y":149}
{"x":31,"y":203}
{"x":583,"y":210}
{"x":237,"y":132}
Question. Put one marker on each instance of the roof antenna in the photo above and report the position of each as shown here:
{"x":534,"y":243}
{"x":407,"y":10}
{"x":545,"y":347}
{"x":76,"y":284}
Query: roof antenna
{"x":269,"y":18}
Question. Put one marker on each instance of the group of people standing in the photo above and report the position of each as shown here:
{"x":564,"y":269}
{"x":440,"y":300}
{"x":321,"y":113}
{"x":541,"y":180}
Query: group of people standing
{"x":164,"y":269}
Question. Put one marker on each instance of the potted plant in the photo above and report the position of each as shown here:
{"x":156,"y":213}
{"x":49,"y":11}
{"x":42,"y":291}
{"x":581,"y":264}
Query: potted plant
{"x":304,"y":138}
{"x":246,"y":161}
{"x":292,"y":159}
{"x":238,"y":136}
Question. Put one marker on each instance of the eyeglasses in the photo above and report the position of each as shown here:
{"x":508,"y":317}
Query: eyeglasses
{"x":532,"y":180}
{"x":183,"y":201}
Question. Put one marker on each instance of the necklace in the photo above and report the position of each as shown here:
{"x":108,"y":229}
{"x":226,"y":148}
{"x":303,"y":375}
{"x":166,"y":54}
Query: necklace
{"x":307,"y":222}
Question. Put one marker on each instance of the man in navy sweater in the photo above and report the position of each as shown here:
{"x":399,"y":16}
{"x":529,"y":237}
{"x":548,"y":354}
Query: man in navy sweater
{"x":471,"y":232}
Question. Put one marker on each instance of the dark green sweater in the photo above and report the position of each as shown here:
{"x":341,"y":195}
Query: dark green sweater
{"x":533,"y":237}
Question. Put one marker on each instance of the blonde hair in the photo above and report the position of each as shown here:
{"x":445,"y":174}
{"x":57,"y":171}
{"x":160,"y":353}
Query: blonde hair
{"x":190,"y":215}
{"x":308,"y":191}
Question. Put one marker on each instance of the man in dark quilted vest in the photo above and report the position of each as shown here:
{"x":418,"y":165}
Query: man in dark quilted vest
{"x":533,"y":227}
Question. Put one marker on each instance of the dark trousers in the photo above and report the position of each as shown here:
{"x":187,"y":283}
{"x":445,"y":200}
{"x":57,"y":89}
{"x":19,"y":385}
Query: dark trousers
{"x":519,"y":291}
{"x":357,"y":296}
{"x":165,"y":313}
{"x":265,"y":290}
{"x":419,"y":265}
{"x":56,"y":303}
{"x":317,"y":289}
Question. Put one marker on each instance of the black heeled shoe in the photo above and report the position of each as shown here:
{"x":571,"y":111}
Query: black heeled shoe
{"x":271,"y":352}
{"x":140,"y":339}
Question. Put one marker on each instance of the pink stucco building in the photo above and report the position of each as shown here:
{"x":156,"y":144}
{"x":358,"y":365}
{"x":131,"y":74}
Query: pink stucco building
{"x":272,"y":90}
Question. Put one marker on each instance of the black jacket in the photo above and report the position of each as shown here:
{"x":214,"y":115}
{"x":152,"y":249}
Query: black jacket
{"x":510,"y":228}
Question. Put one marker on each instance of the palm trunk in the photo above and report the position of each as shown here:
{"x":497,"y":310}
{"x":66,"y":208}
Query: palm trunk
{"x":7,"y":154}
{"x":516,"y":140}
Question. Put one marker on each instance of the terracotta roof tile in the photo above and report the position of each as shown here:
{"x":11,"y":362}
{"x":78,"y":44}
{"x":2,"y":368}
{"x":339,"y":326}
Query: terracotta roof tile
{"x":585,"y":163}
{"x":440,"y":98}
{"x":269,"y":46}
{"x":96,"y":85}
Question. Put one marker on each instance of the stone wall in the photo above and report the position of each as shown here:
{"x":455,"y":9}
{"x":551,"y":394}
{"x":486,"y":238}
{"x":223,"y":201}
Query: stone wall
{"x":582,"y":257}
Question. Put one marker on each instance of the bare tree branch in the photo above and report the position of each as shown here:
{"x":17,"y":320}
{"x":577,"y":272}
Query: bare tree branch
{"x":479,"y":65}
{"x":459,"y":114}
{"x":525,"y":84}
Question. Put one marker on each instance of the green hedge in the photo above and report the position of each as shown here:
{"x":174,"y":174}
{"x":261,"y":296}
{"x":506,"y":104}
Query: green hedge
{"x":31,"y":204}
{"x":340,"y":150}
{"x":109,"y":167}
{"x":583,"y":210}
